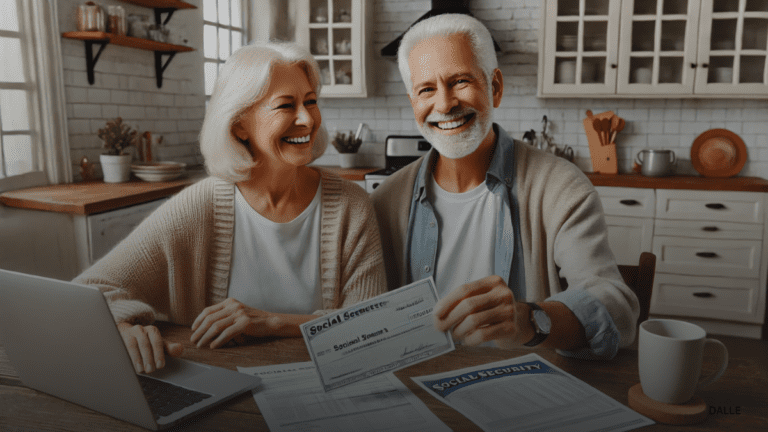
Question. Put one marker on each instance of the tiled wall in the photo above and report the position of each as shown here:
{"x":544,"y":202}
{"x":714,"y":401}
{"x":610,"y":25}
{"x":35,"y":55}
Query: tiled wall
{"x":125,"y":86}
{"x":651,"y":123}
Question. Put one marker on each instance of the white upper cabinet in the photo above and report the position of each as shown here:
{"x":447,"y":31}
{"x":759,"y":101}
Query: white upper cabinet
{"x":654,"y":48}
{"x":579,"y":47}
{"x":335,"y":33}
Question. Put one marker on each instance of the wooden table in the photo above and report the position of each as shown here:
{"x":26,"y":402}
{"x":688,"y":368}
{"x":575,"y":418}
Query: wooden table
{"x":742,"y":388}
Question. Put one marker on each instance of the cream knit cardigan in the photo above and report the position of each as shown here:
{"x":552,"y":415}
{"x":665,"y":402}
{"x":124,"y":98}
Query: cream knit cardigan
{"x":563,"y":232}
{"x":177,"y":261}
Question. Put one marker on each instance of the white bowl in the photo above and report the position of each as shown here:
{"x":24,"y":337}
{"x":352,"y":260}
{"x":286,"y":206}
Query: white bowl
{"x":158,"y":177}
{"x":158,"y":166}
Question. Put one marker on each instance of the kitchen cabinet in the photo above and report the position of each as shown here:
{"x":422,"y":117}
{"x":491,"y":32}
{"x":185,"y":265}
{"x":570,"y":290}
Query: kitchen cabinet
{"x":629,"y":216}
{"x":335,"y":32}
{"x":711,"y":257}
{"x":654,"y":48}
{"x":159,"y":49}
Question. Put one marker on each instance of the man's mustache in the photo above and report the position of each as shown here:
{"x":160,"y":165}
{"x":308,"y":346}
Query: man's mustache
{"x":453,"y":115}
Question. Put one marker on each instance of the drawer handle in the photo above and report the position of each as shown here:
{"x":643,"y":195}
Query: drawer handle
{"x":630,"y":202}
{"x":710,"y":228}
{"x":715,"y":206}
{"x":706,"y":254}
{"x":703,"y":295}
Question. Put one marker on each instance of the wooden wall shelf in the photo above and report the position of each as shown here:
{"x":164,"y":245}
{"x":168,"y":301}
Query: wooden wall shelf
{"x":159,"y":48}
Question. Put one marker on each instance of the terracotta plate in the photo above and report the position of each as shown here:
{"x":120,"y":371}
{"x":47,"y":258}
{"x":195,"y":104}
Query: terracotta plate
{"x":718,"y":153}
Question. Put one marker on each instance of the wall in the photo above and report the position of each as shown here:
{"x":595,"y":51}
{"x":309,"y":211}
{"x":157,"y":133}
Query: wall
{"x":125,"y":86}
{"x":651,"y":123}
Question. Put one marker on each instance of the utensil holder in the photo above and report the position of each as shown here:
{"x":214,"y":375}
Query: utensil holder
{"x":604,"y":160}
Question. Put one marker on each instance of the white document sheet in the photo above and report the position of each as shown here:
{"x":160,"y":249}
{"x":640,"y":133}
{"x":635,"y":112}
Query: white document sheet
{"x":291,"y":399}
{"x":528,"y":393}
{"x":382,"y":334}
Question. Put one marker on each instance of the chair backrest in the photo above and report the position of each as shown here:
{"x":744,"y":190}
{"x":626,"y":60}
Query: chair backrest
{"x":639,"y":278}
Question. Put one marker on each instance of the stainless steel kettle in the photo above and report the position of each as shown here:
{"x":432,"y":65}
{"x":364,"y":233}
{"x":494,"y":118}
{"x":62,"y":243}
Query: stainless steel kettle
{"x":656,"y":163}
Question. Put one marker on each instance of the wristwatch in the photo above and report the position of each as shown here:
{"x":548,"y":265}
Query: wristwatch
{"x":541,"y":324}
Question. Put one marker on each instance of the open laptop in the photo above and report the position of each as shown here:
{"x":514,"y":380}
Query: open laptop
{"x":62,"y":340}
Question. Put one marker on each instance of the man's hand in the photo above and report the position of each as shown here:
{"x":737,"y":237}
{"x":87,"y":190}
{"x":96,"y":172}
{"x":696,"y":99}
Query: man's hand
{"x":482,"y":311}
{"x":146,"y":347}
{"x":220,"y":323}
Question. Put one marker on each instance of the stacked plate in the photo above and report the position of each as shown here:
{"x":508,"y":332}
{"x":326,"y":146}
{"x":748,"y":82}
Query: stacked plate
{"x":158,"y":171}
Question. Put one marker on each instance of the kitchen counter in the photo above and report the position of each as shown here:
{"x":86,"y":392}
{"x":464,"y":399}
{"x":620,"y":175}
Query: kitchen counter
{"x":742,"y":184}
{"x":95,"y":197}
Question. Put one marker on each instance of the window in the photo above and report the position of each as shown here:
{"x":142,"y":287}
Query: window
{"x":33,"y":139}
{"x":16,"y":151}
{"x":224,"y":31}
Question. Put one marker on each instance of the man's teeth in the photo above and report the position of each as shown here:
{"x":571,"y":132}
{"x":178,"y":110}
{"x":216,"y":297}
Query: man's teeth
{"x":452,"y":124}
{"x":299,"y":140}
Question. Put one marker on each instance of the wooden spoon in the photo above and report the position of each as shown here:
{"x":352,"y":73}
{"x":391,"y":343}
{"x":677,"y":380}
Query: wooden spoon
{"x":607,"y":130}
{"x":617,"y":128}
{"x":597,"y":124}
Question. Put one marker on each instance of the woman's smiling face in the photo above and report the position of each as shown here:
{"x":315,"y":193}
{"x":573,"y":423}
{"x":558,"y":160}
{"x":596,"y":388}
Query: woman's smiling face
{"x":281,"y":127}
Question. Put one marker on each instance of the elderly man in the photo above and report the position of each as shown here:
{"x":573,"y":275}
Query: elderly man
{"x":494,"y":221}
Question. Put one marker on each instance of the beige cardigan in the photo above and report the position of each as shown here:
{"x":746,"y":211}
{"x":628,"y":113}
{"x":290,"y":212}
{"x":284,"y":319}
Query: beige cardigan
{"x":562,"y":228}
{"x":177,"y":262}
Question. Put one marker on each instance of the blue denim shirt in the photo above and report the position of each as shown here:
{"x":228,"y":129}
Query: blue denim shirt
{"x":422,"y":251}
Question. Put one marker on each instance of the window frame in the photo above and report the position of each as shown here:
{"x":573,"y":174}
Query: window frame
{"x":244,"y":29}
{"x":44,"y":83}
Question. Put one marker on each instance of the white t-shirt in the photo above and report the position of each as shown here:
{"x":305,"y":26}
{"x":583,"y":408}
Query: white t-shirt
{"x":467,"y":224}
{"x":276,"y":266}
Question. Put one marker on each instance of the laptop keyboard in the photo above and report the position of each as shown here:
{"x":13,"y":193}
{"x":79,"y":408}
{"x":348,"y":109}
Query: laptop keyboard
{"x":166,"y":398}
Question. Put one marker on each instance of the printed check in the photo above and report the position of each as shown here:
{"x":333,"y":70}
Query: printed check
{"x":382,"y":334}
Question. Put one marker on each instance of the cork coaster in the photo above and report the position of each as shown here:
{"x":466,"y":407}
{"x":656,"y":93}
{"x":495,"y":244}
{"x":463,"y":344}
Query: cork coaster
{"x":693,"y":411}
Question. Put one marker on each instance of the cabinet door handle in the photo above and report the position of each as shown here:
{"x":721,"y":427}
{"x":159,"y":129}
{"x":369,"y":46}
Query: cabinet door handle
{"x":630,"y":202}
{"x":706,"y":254}
{"x":614,"y":65}
{"x":693,"y":65}
{"x":703,"y":295}
{"x":710,"y":228}
{"x":714,"y":206}
{"x":705,"y":65}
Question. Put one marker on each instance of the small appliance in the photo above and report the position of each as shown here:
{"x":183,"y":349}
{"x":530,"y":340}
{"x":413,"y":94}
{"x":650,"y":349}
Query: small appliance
{"x":399,"y":151}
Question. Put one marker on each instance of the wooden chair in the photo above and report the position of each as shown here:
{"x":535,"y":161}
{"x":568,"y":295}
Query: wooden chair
{"x":639,"y":278}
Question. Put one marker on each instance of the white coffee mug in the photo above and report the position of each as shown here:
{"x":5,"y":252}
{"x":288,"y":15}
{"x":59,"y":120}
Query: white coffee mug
{"x":670,"y":354}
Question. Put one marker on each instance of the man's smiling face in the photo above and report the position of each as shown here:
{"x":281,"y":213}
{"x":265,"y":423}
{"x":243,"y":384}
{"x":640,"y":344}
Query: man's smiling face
{"x":451,"y":100}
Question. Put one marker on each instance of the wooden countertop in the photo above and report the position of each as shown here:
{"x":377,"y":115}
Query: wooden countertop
{"x":743,"y":184}
{"x":95,"y":197}
{"x":91,"y":197}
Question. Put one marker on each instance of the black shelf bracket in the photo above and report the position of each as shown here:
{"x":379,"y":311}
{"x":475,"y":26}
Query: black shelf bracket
{"x":160,"y":67}
{"x":159,"y":15}
{"x":90,"y":59}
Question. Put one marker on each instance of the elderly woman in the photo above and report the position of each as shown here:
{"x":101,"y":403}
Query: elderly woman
{"x":264,"y":244}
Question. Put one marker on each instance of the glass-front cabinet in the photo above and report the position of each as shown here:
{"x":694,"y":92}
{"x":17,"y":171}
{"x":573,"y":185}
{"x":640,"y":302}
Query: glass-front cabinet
{"x":334,"y":32}
{"x":579,"y":46}
{"x":661,"y":48}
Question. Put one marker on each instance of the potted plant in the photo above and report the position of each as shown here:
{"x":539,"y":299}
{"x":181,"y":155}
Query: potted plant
{"x":347,"y":146}
{"x":116,"y":162}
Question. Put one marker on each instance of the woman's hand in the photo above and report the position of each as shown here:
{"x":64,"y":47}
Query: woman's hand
{"x":146,"y":347}
{"x":219,"y":323}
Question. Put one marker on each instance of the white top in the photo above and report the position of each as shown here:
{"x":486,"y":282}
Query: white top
{"x":276,"y":266}
{"x":467,"y":226}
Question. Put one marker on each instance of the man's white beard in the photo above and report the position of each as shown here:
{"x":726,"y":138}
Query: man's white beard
{"x":462,"y":144}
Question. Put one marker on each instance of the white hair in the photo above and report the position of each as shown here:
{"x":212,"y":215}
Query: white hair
{"x":446,"y":25}
{"x":243,"y":81}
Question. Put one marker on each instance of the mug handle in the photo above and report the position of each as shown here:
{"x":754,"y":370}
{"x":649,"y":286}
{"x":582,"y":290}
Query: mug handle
{"x":672,"y":155}
{"x":638,"y":159}
{"x":705,"y":381}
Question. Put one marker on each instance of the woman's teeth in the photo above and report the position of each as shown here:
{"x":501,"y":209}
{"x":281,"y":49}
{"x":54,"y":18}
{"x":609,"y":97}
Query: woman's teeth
{"x":451,"y":124}
{"x":299,"y":140}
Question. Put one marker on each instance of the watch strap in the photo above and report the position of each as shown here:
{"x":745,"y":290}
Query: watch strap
{"x":539,"y":336}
